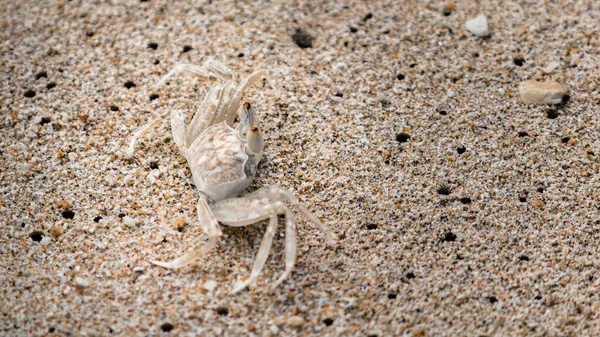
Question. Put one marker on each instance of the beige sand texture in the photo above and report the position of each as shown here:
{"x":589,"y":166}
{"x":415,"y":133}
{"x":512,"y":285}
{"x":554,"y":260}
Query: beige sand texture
{"x":460,"y":210}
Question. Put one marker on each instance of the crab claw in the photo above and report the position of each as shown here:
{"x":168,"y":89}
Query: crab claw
{"x":255,"y":140}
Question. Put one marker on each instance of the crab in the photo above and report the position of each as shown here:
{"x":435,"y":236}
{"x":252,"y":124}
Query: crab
{"x":223,"y":161}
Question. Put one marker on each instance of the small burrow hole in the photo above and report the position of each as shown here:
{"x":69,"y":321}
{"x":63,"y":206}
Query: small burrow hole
{"x":392,"y":296}
{"x":328,"y":321}
{"x":552,"y":113}
{"x":29,"y":93}
{"x":187,"y":49}
{"x":166,"y":327}
{"x":153,"y":45}
{"x":153,"y":97}
{"x":129,"y":84}
{"x":97,"y":219}
{"x":443,"y":190}
{"x":465,"y":200}
{"x":524,"y":258}
{"x":41,"y":74}
{"x":36,"y":236}
{"x":519,"y":60}
{"x":68,"y":214}
{"x":410,"y":276}
{"x":461,"y":149}
{"x":302,"y":39}
{"x":449,"y":237}
{"x":372,"y":226}
{"x":154,"y":165}
{"x":223,"y":311}
{"x":402,"y":137}
{"x":114,"y":108}
{"x":50,"y":85}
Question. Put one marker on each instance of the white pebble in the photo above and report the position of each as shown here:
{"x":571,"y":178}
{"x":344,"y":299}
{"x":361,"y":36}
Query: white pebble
{"x":295,"y":321}
{"x":45,"y":241}
{"x":82,"y":282}
{"x":210,"y":285}
{"x":552,"y":66}
{"x":478,"y":26}
{"x":129,"y":221}
{"x":534,"y":92}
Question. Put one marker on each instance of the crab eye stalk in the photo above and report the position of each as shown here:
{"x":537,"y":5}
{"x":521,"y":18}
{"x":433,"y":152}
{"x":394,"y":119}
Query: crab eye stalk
{"x":255,"y":140}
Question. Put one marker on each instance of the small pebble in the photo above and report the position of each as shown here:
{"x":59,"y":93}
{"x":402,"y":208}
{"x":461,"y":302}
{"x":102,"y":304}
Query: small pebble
{"x":478,"y":26}
{"x":62,"y":204}
{"x":537,"y":203}
{"x":210,"y":285}
{"x":552,"y":66}
{"x":56,"y":231}
{"x":178,"y":223}
{"x":534,"y":92}
{"x":82,"y":282}
{"x":129,"y":221}
{"x":295,"y":321}
{"x":45,"y":241}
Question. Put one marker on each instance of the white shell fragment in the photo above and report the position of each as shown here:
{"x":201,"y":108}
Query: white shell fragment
{"x":129,"y":221}
{"x":534,"y":92}
{"x":210,"y":285}
{"x":552,"y":66}
{"x":478,"y":26}
{"x":84,"y":283}
{"x":295,"y":321}
{"x":45,"y":241}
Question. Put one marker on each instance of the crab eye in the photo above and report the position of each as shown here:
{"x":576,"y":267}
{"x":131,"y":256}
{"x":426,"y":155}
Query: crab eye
{"x":247,"y":105}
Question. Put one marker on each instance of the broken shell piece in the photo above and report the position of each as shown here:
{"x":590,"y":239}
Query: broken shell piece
{"x":478,"y":26}
{"x":534,"y":92}
{"x":552,"y":66}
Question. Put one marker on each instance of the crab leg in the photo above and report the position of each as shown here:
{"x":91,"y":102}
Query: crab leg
{"x":278,"y":193}
{"x":141,"y":132}
{"x":242,"y":212}
{"x":194,"y":70}
{"x":234,"y":104}
{"x":209,"y":226}
{"x":290,"y":247}
{"x":205,"y":114}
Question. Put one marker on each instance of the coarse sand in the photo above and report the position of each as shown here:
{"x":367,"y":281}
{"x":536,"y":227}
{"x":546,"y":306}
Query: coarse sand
{"x":460,"y":210}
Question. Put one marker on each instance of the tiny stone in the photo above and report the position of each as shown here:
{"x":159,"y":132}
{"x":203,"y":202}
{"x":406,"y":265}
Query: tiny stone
{"x":418,"y":332}
{"x":210,"y":285}
{"x":62,"y":204}
{"x":82,"y":282}
{"x":129,"y":221}
{"x":139,"y":270}
{"x":534,"y":92}
{"x":478,"y":26}
{"x":56,"y":231}
{"x":295,"y":321}
{"x":178,"y":223}
{"x":537,"y":203}
{"x":552,"y":66}
{"x":45,"y":240}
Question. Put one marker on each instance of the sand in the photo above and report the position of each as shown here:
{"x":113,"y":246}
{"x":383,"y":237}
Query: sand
{"x":460,"y":211}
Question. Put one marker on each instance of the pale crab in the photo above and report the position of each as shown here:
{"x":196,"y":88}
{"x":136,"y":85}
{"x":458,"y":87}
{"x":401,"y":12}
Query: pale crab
{"x":223,"y":161}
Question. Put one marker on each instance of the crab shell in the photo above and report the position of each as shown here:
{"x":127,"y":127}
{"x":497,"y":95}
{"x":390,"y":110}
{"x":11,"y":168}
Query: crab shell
{"x":221,"y":162}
